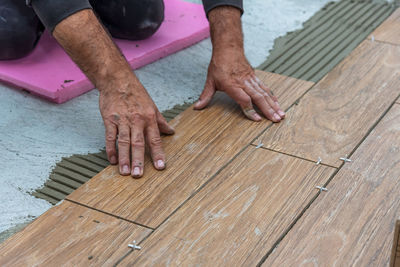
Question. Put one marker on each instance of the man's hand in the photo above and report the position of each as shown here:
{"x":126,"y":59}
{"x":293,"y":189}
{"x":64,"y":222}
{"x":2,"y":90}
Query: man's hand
{"x":229,"y":70}
{"x":129,"y":114}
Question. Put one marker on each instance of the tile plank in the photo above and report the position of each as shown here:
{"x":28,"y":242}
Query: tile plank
{"x":339,"y":111}
{"x":236,"y":218}
{"x":71,"y":235}
{"x":353,"y":223}
{"x":395,"y":258}
{"x":389,"y":30}
{"x":204,"y":142}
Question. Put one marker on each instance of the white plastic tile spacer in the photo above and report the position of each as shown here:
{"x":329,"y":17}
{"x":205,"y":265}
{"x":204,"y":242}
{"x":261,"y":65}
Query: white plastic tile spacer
{"x":320,"y":188}
{"x":259,"y":145}
{"x":134,"y":246}
{"x":319,"y":161}
{"x":345,"y":159}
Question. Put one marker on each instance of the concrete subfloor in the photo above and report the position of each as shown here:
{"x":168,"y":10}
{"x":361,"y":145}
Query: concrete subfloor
{"x":35,"y":134}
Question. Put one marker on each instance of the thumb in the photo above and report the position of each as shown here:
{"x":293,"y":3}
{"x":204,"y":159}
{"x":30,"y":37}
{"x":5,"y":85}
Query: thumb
{"x":163,"y":125}
{"x":206,"y":95}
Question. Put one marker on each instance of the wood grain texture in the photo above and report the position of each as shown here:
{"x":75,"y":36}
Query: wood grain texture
{"x":339,"y":111}
{"x":204,"y":142}
{"x":71,"y":235}
{"x":353,"y":223}
{"x":395,"y":258}
{"x":238,"y":216}
{"x":389,"y":30}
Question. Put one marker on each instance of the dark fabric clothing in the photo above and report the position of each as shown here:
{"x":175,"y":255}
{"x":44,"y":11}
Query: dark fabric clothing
{"x":210,"y":4}
{"x":22,"y":26}
{"x":130,"y":19}
{"x":51,"y":12}
{"x":20,"y":29}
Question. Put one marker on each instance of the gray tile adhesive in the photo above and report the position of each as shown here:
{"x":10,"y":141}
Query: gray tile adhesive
{"x":326,"y":38}
{"x":74,"y":171}
{"x":307,"y":54}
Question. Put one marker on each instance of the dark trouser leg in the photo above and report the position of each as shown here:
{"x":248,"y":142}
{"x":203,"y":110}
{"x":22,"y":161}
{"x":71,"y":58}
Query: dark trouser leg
{"x":20,"y":29}
{"x":130,"y":19}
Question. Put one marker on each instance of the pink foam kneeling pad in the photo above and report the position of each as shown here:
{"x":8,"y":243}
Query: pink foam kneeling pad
{"x":50,"y":73}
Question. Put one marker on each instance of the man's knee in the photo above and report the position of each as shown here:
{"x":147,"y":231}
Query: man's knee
{"x":130,"y":19}
{"x":19,"y":32}
{"x":14,"y":45}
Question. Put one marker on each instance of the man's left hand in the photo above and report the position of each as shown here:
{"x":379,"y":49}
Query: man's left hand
{"x":230,"y":72}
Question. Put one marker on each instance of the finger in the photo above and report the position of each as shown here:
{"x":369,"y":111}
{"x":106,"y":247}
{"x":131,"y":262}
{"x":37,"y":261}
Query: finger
{"x":163,"y":125}
{"x":155,"y":145}
{"x":111,"y":139}
{"x":272,"y":97}
{"x":265,"y":88}
{"x":244,"y":100}
{"x":206,"y":95}
{"x":123,"y":149}
{"x":259,"y":99}
{"x":266,"y":93}
{"x":138,"y":150}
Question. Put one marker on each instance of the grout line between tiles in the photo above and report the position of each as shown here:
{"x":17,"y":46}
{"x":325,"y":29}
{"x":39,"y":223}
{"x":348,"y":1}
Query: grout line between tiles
{"x":297,"y":157}
{"x":110,"y":214}
{"x":382,"y":42}
{"x":326,"y":184}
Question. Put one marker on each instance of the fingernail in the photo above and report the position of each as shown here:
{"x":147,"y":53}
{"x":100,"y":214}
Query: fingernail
{"x":125,"y":169}
{"x":257,"y":117}
{"x":136,"y":171}
{"x":113,"y":160}
{"x":171,"y":130}
{"x":281,"y":113}
{"x":160,"y":164}
{"x":276,"y":117}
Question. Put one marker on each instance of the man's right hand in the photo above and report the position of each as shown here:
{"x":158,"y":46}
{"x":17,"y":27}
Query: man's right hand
{"x":131,"y":115}
{"x":128,"y":112}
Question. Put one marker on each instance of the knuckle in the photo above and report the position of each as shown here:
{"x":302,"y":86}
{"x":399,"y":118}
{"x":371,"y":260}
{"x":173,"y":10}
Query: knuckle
{"x":155,"y":142}
{"x":113,"y":117}
{"x":138,"y":143}
{"x":136,"y":117}
{"x":244,"y":100}
{"x":123,"y":142}
{"x":151,"y":115}
{"x":110,"y":138}
{"x":123,"y":137}
{"x":258,"y":97}
{"x":137,"y":140}
{"x":271,"y":112}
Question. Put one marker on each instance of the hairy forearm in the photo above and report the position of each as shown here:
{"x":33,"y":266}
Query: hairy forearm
{"x":226,"y":29}
{"x":91,"y":48}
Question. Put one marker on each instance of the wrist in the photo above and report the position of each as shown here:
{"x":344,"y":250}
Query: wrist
{"x":226,"y":29}
{"x":118,"y":82}
{"x":229,"y":54}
